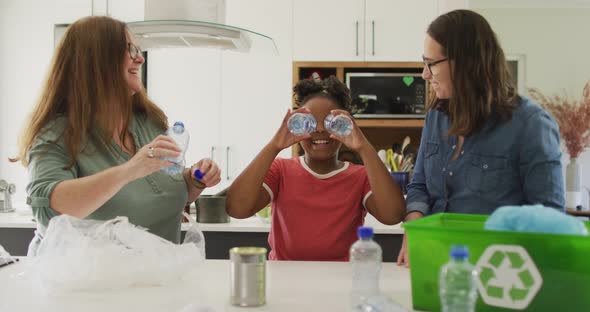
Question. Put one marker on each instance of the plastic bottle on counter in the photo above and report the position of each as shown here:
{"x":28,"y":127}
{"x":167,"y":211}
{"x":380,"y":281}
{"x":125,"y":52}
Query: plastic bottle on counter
{"x":301,"y":123}
{"x":340,"y":125}
{"x":365,"y":257}
{"x":457,"y":282}
{"x":181,"y":137}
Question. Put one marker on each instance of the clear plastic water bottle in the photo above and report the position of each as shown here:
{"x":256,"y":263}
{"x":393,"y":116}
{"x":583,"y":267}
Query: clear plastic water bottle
{"x":365,"y":257}
{"x":339,"y":125}
{"x":181,"y":137}
{"x":301,"y":123}
{"x":457,"y":282}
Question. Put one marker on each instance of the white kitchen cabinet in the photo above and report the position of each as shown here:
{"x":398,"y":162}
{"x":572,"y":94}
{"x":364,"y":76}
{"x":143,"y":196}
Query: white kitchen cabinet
{"x":395,"y":29}
{"x":361,"y":30}
{"x":328,"y":30}
{"x":257,"y":85}
{"x":68,"y":11}
{"x":185,"y":83}
{"x":232,"y":103}
{"x":126,"y":10}
{"x":445,"y":6}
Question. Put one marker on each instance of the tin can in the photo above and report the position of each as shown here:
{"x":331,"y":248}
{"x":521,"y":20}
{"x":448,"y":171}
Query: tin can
{"x":248,"y":276}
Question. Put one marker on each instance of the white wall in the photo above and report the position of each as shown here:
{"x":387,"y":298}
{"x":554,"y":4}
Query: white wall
{"x":26,"y":46}
{"x":555,"y":42}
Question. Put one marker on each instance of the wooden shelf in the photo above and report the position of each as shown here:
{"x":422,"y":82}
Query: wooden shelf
{"x":339,"y":67}
{"x":359,"y":64}
{"x":578,"y":213}
{"x":381,"y":133}
{"x":390,"y":123}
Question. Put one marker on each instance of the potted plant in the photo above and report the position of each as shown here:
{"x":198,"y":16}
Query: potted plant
{"x":573,"y":117}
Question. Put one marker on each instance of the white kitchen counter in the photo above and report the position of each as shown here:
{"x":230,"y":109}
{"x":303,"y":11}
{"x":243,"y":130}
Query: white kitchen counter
{"x":291,"y":286}
{"x":15,"y":220}
{"x":252,"y":224}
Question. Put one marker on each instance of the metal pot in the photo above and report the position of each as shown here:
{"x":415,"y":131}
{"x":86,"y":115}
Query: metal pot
{"x":211,"y":209}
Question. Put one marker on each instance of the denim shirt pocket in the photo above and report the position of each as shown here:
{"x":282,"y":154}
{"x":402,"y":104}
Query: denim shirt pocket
{"x":484,"y":172}
{"x":431,"y":163}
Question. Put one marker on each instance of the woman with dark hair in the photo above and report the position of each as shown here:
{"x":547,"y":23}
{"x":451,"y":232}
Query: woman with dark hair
{"x":483,"y":146}
{"x":318,"y":202}
{"x":94,"y":145}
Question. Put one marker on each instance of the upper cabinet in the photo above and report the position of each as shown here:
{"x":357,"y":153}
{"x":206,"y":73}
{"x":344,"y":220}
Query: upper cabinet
{"x":394,"y":30}
{"x":445,"y":6}
{"x":68,"y":11}
{"x":328,"y":30}
{"x":125,"y":10}
{"x":361,"y":30}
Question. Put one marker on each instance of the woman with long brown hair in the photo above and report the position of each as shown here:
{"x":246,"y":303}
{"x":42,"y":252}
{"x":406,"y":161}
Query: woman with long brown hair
{"x":483,"y":146}
{"x":94,"y":145}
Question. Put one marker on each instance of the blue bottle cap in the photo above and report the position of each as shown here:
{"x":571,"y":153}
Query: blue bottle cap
{"x":365,"y":232}
{"x":178,"y":123}
{"x":198,"y":174}
{"x":459,"y":251}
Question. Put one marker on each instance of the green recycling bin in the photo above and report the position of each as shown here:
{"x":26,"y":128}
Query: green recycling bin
{"x":517,"y":271}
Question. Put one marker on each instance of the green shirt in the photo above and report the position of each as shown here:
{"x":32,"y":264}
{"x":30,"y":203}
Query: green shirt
{"x":154,"y":202}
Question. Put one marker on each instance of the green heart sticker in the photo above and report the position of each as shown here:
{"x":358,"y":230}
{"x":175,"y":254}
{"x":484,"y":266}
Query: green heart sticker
{"x":408,"y":80}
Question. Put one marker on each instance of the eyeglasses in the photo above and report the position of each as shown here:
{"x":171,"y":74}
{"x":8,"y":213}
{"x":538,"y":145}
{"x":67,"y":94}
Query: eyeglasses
{"x":433,"y":63}
{"x":134,"y":51}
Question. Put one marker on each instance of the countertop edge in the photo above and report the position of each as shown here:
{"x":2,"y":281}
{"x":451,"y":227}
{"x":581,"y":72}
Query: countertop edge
{"x":253,"y":224}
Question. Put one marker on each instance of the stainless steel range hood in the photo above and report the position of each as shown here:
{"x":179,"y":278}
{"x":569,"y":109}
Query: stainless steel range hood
{"x":180,"y":33}
{"x":193,"y":23}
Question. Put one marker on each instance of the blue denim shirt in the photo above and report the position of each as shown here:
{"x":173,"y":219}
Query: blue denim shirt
{"x":517,"y":162}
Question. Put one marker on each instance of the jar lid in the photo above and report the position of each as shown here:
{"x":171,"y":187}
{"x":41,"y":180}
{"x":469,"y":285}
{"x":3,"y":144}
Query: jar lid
{"x":247,"y":254}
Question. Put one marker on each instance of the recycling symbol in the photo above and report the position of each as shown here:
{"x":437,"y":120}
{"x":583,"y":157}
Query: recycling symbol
{"x":508,"y":277}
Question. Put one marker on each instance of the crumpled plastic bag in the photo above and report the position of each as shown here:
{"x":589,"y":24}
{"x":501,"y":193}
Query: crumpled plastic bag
{"x":194,"y":235}
{"x":80,"y":254}
{"x":3,"y":253}
{"x":534,"y":218}
{"x":5,"y":257}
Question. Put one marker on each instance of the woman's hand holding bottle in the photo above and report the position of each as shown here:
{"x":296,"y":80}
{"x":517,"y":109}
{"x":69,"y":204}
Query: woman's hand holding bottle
{"x":147,"y":160}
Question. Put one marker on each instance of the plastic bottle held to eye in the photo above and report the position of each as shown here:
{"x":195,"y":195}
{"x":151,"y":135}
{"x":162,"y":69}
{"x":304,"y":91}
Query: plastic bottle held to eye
{"x":181,"y":137}
{"x":457,"y":282}
{"x":340,"y":125}
{"x":301,"y":123}
{"x":365,"y":257}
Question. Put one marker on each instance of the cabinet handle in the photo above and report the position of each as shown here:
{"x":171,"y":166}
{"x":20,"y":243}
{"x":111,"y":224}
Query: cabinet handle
{"x":212,"y":152}
{"x":227,"y":164}
{"x":373,"y":23}
{"x":357,"y":38}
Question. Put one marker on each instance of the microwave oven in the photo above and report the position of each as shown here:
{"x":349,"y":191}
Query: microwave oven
{"x":387,"y":95}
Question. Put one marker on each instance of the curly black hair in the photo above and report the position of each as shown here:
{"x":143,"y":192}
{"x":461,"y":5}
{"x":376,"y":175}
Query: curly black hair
{"x":330,"y":88}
